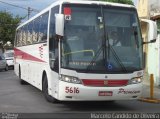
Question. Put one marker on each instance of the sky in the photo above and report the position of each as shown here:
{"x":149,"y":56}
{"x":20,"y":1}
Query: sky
{"x":35,"y":4}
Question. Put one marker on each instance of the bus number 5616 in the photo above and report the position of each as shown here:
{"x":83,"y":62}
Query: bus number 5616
{"x":71,"y":90}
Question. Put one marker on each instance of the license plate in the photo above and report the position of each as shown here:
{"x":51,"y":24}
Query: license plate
{"x":105,"y":93}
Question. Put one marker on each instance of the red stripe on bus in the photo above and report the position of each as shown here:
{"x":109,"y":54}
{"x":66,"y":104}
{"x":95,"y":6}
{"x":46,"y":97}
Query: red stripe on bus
{"x":19,"y":54}
{"x":109,"y":83}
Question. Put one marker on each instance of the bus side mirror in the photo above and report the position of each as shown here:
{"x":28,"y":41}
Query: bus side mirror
{"x":59,"y":21}
{"x":153,"y":41}
{"x":152,"y":31}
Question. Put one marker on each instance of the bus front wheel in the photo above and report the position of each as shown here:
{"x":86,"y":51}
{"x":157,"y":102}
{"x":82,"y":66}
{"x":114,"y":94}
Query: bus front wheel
{"x":45,"y":91}
{"x":22,"y":82}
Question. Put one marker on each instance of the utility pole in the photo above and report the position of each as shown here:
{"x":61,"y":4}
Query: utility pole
{"x":29,"y":12}
{"x":29,"y":9}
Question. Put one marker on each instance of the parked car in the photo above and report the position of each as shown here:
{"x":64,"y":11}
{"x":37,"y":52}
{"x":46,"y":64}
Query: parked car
{"x":9,"y":56}
{"x":3,"y":63}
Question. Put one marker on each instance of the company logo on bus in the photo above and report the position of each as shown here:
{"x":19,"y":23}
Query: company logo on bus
{"x":124,"y":91}
{"x":105,"y":82}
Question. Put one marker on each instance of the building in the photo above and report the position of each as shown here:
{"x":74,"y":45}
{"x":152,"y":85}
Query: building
{"x":143,"y":9}
{"x":150,"y":9}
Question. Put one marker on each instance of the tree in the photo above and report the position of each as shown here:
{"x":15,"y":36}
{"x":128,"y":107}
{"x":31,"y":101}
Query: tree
{"x":121,"y":1}
{"x":8,"y":25}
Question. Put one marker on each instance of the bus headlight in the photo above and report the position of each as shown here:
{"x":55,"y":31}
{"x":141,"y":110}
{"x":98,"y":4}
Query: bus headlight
{"x":135,"y":80}
{"x":70,"y":79}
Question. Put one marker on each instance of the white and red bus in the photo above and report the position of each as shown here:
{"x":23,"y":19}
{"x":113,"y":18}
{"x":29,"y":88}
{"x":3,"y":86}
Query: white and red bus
{"x":65,"y":51}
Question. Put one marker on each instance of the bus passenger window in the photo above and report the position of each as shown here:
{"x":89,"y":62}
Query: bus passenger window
{"x":43,"y":27}
{"x":18,"y":38}
{"x":29,"y":39}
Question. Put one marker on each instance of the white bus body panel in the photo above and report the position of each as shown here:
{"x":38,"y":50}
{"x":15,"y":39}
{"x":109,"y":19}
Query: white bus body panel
{"x":32,"y":63}
{"x":90,"y":93}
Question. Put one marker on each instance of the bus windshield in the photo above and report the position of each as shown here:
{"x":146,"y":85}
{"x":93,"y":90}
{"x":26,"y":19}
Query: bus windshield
{"x":99,"y":38}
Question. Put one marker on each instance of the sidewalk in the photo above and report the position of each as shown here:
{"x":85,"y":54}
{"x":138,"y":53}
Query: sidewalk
{"x":146,"y":88}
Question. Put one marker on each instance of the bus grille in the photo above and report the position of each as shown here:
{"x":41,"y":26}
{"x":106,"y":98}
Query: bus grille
{"x":104,"y":83}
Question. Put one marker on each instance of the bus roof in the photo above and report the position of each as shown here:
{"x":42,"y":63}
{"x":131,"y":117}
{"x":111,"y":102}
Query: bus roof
{"x":95,"y":2}
{"x":59,"y":2}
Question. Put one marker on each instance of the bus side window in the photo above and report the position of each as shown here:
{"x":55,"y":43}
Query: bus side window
{"x":35,"y":30}
{"x":43,"y":27}
{"x":20,"y":38}
{"x":24,"y":35}
{"x":17,"y":41}
{"x":29,"y":39}
{"x":53,"y":46}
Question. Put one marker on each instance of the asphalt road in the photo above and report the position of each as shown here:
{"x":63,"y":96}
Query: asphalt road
{"x":16,"y":98}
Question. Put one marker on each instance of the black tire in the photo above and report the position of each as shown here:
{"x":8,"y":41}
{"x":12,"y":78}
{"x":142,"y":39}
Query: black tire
{"x":22,"y":82}
{"x":6,"y":69}
{"x":45,"y":91}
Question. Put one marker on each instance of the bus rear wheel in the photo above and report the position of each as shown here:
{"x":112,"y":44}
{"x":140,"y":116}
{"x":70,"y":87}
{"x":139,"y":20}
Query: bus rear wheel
{"x":45,"y":91}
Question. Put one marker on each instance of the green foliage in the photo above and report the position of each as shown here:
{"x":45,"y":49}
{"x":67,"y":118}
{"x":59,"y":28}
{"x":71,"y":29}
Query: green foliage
{"x":8,"y":25}
{"x":120,"y":1}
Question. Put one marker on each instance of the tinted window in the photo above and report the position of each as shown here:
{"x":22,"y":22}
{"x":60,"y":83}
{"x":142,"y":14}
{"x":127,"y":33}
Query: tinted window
{"x":52,"y":39}
{"x":35,"y":31}
{"x":29,"y":36}
{"x":25,"y":28}
{"x":17,"y":38}
{"x":9,"y":54}
{"x":43,"y":27}
{"x":52,"y":28}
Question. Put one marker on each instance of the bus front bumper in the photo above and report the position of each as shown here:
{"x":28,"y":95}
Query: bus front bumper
{"x":79,"y":92}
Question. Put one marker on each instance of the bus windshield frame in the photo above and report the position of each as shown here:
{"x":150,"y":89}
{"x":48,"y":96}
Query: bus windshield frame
{"x":87,"y":44}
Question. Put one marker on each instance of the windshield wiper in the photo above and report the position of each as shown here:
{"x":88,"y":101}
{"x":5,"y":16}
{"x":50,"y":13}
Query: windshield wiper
{"x":106,"y":55}
{"x":118,"y":59}
{"x":101,"y":48}
{"x":110,"y":48}
{"x":114,"y":54}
